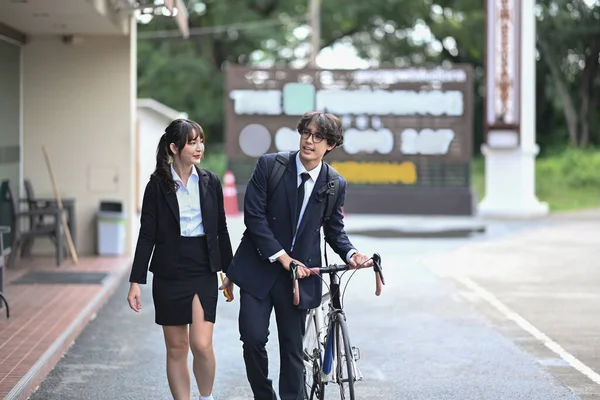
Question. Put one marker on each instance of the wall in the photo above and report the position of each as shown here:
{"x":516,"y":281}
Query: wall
{"x":151,"y":127}
{"x":79,"y":102}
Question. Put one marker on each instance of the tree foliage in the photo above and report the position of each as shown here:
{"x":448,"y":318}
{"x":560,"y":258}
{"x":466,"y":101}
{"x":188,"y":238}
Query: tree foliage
{"x":188,"y":74}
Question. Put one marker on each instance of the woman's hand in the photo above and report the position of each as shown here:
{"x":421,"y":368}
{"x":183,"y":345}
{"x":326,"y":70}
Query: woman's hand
{"x":134,"y":297}
{"x":227,"y":288}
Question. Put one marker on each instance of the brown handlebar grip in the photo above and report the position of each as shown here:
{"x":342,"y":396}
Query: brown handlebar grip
{"x":378,"y":284}
{"x":296,"y":293}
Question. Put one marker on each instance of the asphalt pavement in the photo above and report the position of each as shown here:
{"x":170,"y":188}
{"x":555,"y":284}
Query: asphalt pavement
{"x":421,"y":339}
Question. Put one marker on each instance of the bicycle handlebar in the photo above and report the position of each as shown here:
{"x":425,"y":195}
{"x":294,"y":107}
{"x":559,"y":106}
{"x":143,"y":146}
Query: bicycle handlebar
{"x":333,"y":268}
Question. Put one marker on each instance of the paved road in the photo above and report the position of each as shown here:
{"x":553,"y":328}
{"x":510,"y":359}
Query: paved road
{"x":539,"y":288}
{"x":420,"y":340}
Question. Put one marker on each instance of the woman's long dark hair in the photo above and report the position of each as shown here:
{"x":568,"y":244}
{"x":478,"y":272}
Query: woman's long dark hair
{"x":179,"y":132}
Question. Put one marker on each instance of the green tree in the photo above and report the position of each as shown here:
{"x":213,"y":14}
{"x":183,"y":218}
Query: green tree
{"x":188,"y":75}
{"x":569,"y":42}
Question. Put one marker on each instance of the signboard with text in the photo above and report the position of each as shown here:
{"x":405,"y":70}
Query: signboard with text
{"x":404,"y":128}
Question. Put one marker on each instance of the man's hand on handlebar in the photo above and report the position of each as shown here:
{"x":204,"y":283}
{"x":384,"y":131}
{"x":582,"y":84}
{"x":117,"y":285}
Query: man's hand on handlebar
{"x":358,"y":259}
{"x":286,"y":260}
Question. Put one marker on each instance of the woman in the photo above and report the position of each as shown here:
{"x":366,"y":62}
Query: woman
{"x":183,"y":221}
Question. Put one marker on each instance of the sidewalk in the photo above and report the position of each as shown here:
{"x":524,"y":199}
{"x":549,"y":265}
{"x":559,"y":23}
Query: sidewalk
{"x":47,"y":313}
{"x":541,"y":288}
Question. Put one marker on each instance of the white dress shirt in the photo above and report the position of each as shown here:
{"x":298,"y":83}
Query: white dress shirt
{"x":190,"y":214}
{"x":308,"y":188}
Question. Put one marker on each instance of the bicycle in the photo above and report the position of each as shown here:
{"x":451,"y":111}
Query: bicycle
{"x":328,"y":354}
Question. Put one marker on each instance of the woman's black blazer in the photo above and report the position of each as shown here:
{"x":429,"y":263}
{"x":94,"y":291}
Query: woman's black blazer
{"x":160,"y":229}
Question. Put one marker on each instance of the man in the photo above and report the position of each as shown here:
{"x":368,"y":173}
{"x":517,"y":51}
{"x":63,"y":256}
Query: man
{"x":281,"y":227}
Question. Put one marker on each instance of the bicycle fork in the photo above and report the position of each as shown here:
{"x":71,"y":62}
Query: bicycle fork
{"x":327,"y":368}
{"x":329,"y":363}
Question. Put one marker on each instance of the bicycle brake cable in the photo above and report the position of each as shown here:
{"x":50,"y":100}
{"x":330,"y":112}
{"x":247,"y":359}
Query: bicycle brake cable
{"x":325,"y":282}
{"x":348,"y":281}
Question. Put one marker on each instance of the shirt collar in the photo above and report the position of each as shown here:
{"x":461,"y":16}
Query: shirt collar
{"x":176,"y":177}
{"x":314,"y":174}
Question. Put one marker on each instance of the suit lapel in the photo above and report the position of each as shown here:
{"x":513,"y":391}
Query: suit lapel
{"x":171,"y":201}
{"x":291,"y":187}
{"x":313,"y":203}
{"x":203,"y":184}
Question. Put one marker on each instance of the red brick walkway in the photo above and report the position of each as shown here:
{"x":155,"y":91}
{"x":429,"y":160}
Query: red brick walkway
{"x":45,"y":319}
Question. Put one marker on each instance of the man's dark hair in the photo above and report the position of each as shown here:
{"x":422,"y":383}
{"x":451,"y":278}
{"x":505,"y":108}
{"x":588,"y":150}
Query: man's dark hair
{"x":328,"y":125}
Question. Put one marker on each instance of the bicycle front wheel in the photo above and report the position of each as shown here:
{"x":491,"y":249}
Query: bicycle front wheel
{"x":313,"y":385}
{"x":344,"y":359}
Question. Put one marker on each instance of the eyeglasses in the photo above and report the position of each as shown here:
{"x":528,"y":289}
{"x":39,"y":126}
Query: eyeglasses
{"x":317,"y":137}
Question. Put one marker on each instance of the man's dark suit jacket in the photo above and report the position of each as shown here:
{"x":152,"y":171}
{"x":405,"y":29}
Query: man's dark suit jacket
{"x":160,"y":229}
{"x":270,"y":227}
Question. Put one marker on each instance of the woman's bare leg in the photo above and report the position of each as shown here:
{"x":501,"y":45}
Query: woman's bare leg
{"x":178,"y":374}
{"x":201,"y":333}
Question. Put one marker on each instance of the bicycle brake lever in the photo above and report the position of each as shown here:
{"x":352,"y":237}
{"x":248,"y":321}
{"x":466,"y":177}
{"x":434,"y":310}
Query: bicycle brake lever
{"x":295,"y":290}
{"x":377,"y":267}
{"x":294,"y":272}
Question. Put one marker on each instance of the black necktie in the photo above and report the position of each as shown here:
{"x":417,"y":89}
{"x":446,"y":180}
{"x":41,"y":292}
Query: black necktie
{"x":300,"y":195}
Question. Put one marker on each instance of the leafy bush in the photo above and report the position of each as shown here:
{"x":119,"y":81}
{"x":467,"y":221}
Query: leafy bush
{"x":567,"y":180}
{"x":575,"y":167}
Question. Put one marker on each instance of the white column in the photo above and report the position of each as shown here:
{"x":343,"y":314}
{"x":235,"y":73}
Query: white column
{"x":510,"y":170}
{"x":131,"y":207}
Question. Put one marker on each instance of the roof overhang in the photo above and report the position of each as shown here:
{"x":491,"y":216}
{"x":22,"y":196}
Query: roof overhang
{"x":64,"y":17}
{"x":160,"y":108}
{"x":20,"y":18}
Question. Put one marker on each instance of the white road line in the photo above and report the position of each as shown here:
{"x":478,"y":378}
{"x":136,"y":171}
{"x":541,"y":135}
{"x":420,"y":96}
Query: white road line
{"x":528,"y":327}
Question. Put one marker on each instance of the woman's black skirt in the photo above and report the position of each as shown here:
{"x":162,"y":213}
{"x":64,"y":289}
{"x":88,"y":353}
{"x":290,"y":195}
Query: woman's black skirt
{"x":173,"y":298}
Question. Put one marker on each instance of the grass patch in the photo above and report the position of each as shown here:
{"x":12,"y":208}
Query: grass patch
{"x":569,"y":180}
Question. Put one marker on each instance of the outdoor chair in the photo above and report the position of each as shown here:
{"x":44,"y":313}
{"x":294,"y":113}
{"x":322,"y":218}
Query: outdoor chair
{"x":20,"y":237}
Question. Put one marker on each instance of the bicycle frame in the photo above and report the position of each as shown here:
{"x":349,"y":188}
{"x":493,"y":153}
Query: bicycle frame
{"x":327,"y":347}
{"x":332,"y":301}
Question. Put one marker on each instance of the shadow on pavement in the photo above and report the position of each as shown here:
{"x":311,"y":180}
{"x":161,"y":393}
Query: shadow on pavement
{"x":405,"y":233}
